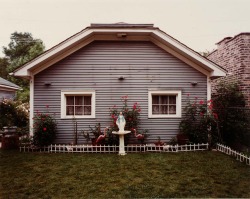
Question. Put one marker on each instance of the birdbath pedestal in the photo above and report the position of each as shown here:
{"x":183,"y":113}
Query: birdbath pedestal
{"x":121,"y":141}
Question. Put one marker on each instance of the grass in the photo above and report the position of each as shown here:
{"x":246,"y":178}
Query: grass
{"x":144,"y":175}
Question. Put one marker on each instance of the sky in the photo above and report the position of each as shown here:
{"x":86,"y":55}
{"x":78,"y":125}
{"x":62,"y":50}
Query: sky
{"x":199,"y":24}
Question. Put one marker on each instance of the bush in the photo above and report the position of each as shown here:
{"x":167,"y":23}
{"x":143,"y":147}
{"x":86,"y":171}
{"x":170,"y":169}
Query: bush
{"x":44,"y":129}
{"x":131,"y":115}
{"x":234,"y":118}
{"x":14,"y":113}
{"x":200,"y":122}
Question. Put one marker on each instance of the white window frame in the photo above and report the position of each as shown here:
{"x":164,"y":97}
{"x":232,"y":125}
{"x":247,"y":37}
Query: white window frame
{"x":178,"y":104}
{"x":75,"y":93}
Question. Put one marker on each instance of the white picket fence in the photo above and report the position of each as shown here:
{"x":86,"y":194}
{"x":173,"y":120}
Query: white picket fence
{"x":63,"y":148}
{"x":176,"y":148}
{"x":239,"y":156}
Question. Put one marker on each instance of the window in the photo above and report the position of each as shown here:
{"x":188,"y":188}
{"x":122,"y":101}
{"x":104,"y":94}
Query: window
{"x":164,"y":104}
{"x":78,"y":104}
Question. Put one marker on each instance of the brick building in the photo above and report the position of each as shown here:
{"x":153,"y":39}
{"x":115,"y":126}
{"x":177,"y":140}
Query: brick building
{"x":233,"y":53}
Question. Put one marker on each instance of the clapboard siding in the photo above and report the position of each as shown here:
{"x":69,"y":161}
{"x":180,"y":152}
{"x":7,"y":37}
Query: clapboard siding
{"x":98,"y":66}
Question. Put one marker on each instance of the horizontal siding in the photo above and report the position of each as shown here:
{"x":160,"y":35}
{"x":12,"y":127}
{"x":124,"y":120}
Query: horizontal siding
{"x":7,"y":94}
{"x":98,"y":66}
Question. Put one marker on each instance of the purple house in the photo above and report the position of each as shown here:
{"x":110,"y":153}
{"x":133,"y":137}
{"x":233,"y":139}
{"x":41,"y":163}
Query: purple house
{"x":86,"y":74}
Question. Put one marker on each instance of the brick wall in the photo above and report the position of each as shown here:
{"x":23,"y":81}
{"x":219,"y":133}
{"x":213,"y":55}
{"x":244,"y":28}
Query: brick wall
{"x":233,"y":54}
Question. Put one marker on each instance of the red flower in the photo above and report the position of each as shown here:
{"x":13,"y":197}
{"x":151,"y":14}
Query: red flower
{"x":44,"y":128}
{"x":201,"y":102}
{"x":210,"y":106}
{"x":215,"y":115}
{"x":42,"y":119}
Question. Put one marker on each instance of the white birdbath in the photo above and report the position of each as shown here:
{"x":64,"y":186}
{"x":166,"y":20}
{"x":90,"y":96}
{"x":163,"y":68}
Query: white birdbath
{"x":121,"y":141}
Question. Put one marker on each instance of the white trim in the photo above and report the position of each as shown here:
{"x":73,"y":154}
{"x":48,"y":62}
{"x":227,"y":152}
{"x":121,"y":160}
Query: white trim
{"x":90,"y":34}
{"x":63,"y":104}
{"x":169,"y":92}
{"x":7,"y":88}
{"x":31,"y":105}
{"x":209,"y":89}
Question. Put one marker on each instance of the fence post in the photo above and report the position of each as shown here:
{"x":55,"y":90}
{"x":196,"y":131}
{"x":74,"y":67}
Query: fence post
{"x":248,"y":161}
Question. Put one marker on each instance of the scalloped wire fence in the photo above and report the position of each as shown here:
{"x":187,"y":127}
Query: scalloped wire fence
{"x":63,"y":148}
{"x":239,"y":156}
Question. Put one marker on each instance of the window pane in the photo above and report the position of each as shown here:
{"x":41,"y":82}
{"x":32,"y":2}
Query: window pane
{"x":155,"y":99}
{"x":155,"y":109}
{"x":172,"y":99}
{"x":70,"y":100}
{"x":172,"y":109}
{"x":79,"y":110}
{"x":164,"y":109}
{"x":87,"y":110}
{"x":79,"y":100}
{"x":70,"y":110}
{"x":164,"y":99}
{"x":87,"y":100}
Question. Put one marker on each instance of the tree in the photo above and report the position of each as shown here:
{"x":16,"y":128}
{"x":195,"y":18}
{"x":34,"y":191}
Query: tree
{"x":3,"y":66}
{"x":21,"y":49}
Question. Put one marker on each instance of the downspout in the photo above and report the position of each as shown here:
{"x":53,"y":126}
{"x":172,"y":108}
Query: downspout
{"x":209,"y":88}
{"x":31,"y":104}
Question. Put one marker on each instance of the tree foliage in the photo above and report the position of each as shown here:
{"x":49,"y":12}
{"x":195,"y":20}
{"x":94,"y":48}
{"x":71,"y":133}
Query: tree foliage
{"x":3,"y":66}
{"x":21,"y":49}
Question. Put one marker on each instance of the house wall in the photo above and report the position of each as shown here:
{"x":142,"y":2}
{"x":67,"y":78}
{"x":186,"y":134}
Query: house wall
{"x":234,"y":55}
{"x":97,"y":67}
{"x":6,"y":94}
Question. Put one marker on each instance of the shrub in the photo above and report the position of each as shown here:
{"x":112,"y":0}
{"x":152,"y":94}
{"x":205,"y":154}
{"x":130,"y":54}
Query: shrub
{"x":44,"y":129}
{"x":131,"y":115}
{"x":14,"y":113}
{"x":200,"y":122}
{"x":233,"y":118}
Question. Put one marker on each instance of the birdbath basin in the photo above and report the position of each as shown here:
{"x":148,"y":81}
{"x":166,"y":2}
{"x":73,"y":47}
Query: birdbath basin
{"x":121,"y":141}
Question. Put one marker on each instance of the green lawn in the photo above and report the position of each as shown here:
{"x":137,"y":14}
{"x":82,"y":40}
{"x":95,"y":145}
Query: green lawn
{"x":144,"y":175}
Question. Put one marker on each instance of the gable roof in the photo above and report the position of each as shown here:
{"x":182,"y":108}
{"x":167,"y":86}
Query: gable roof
{"x":7,"y":85}
{"x":120,"y":32}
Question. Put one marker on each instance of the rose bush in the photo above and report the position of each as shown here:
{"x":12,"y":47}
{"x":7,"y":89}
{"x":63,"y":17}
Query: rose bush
{"x":44,"y":129}
{"x":200,"y":122}
{"x":131,"y":115}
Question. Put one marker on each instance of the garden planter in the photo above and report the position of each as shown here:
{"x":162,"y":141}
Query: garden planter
{"x":10,"y":142}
